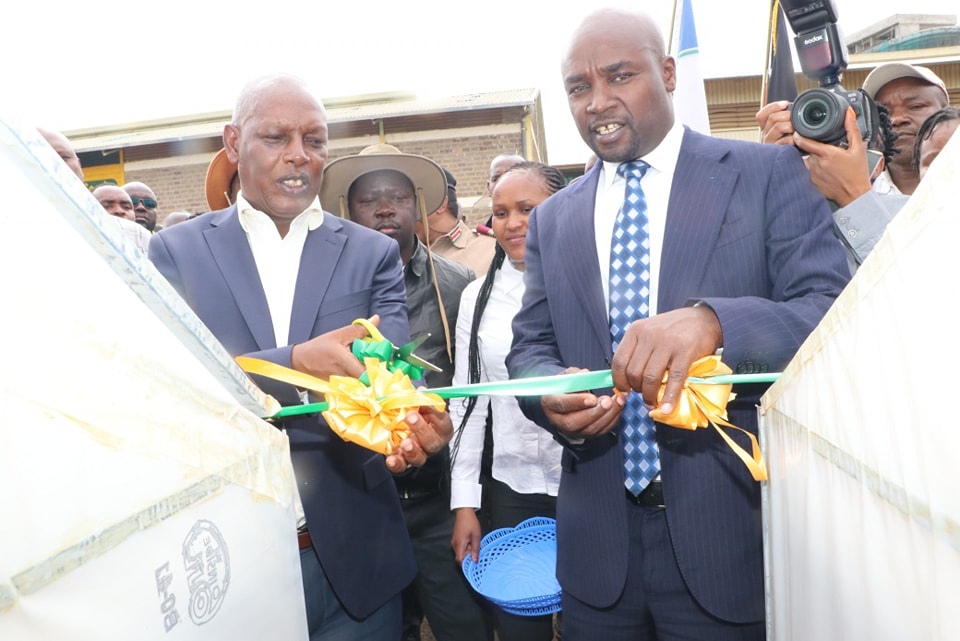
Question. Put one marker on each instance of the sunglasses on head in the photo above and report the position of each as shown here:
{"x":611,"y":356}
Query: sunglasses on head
{"x":149,"y":203}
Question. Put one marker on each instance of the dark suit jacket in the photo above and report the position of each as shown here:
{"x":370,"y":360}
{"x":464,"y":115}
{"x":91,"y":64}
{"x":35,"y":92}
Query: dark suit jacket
{"x":747,"y":233}
{"x":346,"y":272}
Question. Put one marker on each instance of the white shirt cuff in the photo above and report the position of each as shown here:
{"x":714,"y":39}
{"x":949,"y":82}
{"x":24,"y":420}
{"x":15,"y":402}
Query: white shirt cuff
{"x":465,"y":494}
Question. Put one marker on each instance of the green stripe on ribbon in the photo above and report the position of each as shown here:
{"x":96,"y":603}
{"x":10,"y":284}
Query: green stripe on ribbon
{"x":579,"y":382}
{"x":298,"y":410}
{"x":542,"y":385}
{"x":533,"y":386}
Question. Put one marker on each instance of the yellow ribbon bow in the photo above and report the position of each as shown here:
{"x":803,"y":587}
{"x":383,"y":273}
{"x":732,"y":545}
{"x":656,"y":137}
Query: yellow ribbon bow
{"x":373,"y":416}
{"x":702,"y":404}
{"x":370,"y":416}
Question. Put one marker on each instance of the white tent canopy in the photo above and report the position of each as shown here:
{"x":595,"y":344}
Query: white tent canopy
{"x":140,"y":494}
{"x":862,"y":510}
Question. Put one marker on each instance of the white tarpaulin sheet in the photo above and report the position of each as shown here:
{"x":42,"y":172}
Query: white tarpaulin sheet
{"x":862,"y":509}
{"x":140,"y":495}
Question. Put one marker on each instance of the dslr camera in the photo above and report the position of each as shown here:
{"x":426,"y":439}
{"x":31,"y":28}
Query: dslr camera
{"x":819,"y":113}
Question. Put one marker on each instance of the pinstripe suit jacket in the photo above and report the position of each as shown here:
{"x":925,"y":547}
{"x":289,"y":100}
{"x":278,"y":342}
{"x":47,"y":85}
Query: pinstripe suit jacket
{"x":346,"y":272}
{"x":747,"y":233}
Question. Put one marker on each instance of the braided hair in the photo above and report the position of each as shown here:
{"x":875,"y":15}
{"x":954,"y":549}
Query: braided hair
{"x":926,"y":131}
{"x":886,"y":136}
{"x":552,"y":181}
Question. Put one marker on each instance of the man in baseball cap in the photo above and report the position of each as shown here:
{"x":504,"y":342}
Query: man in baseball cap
{"x":890,"y":71}
{"x":911,"y":93}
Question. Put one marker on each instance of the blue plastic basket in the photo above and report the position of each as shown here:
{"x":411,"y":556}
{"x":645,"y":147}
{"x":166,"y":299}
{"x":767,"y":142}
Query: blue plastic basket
{"x":517,"y":568}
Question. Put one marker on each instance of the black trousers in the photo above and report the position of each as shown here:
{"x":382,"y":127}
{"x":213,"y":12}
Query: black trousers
{"x":440,"y":591}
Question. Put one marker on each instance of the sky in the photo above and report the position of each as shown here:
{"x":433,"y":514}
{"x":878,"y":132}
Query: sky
{"x":105,"y":62}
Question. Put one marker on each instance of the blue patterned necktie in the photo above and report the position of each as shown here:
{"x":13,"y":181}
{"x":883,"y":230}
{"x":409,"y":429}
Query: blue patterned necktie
{"x":630,"y":300}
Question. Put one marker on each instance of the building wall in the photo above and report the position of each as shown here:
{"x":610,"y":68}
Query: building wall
{"x":467,"y":158}
{"x":177,"y":188}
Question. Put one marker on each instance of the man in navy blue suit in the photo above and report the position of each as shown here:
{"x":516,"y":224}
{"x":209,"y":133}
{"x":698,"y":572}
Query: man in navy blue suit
{"x":742,"y":261}
{"x":275,"y":277}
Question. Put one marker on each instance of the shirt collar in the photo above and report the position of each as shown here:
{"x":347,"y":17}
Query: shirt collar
{"x":418,"y":262}
{"x":459,"y":235}
{"x":884,"y":184}
{"x":512,"y":277}
{"x":663,"y":158}
{"x":253,"y":220}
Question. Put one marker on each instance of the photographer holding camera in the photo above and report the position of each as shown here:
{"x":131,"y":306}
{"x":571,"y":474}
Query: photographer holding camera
{"x":847,"y":136}
{"x":910,"y":94}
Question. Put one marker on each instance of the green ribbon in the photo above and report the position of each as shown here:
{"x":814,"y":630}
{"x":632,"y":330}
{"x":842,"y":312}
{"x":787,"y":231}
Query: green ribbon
{"x":298,"y":410}
{"x":533,"y":386}
{"x":579,"y":382}
{"x":538,"y":386}
{"x":385,"y":352}
{"x":362,"y":348}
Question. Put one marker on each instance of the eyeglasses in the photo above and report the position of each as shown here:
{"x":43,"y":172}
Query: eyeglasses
{"x":149,"y":203}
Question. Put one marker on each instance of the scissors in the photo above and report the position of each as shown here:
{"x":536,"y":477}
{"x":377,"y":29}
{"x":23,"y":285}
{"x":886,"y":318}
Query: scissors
{"x":405,"y":353}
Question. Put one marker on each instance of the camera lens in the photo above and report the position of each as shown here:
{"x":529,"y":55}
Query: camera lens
{"x":815,"y":113}
{"x":818,"y":114}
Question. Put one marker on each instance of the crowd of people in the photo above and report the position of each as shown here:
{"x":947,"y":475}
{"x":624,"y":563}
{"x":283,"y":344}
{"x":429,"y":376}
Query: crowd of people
{"x":672,"y":246}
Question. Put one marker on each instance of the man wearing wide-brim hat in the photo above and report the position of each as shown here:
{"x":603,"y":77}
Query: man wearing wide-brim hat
{"x":222,"y":182}
{"x":426,"y":175}
{"x":389,"y":191}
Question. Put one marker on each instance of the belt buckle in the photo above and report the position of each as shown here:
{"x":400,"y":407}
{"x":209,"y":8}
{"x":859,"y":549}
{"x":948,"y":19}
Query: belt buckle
{"x":651,"y":496}
{"x":304,"y":540}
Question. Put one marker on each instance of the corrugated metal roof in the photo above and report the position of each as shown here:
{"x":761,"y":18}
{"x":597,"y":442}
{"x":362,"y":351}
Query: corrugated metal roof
{"x":142,"y":134}
{"x":466,"y":102}
{"x":441,"y":112}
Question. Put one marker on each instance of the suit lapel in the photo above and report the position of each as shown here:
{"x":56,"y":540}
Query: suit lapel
{"x":578,"y":255}
{"x":321,"y":251}
{"x":699,"y":197}
{"x":231,"y":250}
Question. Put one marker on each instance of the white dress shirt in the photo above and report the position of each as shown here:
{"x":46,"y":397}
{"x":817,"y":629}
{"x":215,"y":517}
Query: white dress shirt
{"x":278,"y":263}
{"x":656,"y":189}
{"x":525,"y":456}
{"x":278,"y":259}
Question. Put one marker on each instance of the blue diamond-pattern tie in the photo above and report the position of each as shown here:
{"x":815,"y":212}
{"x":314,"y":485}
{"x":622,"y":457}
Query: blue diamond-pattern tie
{"x":630,"y":300}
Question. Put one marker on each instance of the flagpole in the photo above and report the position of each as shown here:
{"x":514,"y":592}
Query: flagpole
{"x":673,"y":28}
{"x":771,"y":27}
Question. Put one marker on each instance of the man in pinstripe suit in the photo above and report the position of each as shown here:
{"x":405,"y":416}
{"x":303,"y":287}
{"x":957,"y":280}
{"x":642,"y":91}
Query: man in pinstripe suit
{"x":743,"y":260}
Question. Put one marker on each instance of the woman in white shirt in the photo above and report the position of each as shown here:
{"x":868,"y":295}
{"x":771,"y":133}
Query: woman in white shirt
{"x":526,"y":459}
